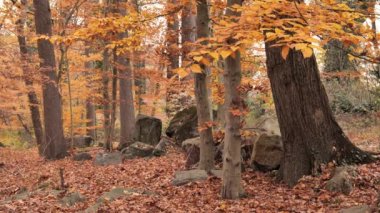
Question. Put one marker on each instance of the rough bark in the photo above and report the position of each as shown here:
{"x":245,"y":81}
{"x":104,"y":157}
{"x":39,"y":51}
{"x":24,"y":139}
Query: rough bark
{"x":54,"y":145}
{"x":188,"y":32}
{"x":27,"y":76}
{"x":231,"y":185}
{"x":172,"y":40}
{"x":310,"y":134}
{"x":90,"y":107}
{"x":336,"y":58}
{"x":207,"y":149}
{"x":127,"y":109}
{"x":106,"y":100}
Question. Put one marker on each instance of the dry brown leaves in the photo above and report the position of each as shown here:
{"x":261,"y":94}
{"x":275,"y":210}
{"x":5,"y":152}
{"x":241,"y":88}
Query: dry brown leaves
{"x":25,"y":169}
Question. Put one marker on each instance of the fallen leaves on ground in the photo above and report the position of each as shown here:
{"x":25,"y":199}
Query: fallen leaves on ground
{"x":24,"y":169}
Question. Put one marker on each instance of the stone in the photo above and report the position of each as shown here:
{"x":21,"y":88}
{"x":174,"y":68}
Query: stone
{"x":357,"y":209}
{"x":1,"y":145}
{"x":81,"y":141}
{"x":160,"y":148}
{"x":72,"y":198}
{"x":105,"y":159}
{"x":191,"y":147}
{"x":148,"y":130}
{"x":83,"y":156}
{"x":267,"y":152}
{"x":341,"y":181}
{"x":184,"y":177}
{"x":183,"y":125}
{"x":137,"y":149}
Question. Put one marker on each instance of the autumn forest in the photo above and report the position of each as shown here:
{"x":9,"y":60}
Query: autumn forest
{"x":189,"y":106}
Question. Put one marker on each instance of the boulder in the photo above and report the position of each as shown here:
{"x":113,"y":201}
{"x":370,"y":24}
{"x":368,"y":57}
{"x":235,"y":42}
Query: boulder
{"x":105,"y":159}
{"x":191,"y":147}
{"x":83,"y":156}
{"x":148,"y":130}
{"x":160,"y":148}
{"x":267,"y":152}
{"x":341,"y":180}
{"x":357,"y":209}
{"x":80,"y":141}
{"x":137,"y":149}
{"x":184,"y":177}
{"x":72,"y":198}
{"x":184,"y":125}
{"x":2,"y":145}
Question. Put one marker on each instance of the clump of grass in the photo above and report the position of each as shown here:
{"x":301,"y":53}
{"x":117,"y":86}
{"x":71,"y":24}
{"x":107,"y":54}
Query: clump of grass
{"x":16,"y":139}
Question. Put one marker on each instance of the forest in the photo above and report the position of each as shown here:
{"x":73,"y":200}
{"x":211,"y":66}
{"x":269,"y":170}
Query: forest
{"x":190,"y":106}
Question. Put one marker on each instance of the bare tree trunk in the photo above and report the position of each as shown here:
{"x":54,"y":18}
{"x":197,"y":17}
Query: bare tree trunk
{"x":207,"y":148}
{"x":90,"y":107}
{"x":172,"y":40}
{"x":27,"y":75}
{"x":106,"y":100}
{"x":310,"y":134}
{"x":54,"y":145}
{"x":127,"y":109}
{"x":231,"y":185}
{"x":114,"y":97}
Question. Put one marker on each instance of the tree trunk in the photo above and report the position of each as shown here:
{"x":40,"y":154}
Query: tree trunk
{"x":54,"y":145}
{"x":114,"y":97}
{"x":172,"y":40}
{"x":106,"y":100}
{"x":207,"y":149}
{"x":188,"y":32}
{"x":231,"y":185}
{"x":127,"y":109}
{"x":90,"y":107}
{"x":310,"y":134}
{"x":27,"y":75}
{"x":336,"y":58}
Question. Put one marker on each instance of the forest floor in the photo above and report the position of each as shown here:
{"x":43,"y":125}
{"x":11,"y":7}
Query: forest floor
{"x":22,"y":170}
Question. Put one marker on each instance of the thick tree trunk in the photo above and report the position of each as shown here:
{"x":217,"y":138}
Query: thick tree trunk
{"x":231,"y":185}
{"x":27,"y":75}
{"x":54,"y":145}
{"x":114,"y":97}
{"x":188,"y":31}
{"x":207,"y":149}
{"x":90,"y":107}
{"x":106,"y":100}
{"x":127,"y":109}
{"x":336,"y":58}
{"x":310,"y":134}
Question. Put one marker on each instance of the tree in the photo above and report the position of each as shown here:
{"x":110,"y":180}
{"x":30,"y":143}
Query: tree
{"x":127,"y":109}
{"x":172,"y":39}
{"x":231,"y":185}
{"x":310,"y":133}
{"x":54,"y":145}
{"x":207,"y":148}
{"x":27,"y":74}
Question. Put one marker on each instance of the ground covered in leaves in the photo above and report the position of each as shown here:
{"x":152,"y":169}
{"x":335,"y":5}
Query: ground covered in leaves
{"x":150,"y":182}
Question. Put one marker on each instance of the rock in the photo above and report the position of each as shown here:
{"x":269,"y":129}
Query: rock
{"x":340,"y":182}
{"x":357,"y":209}
{"x":267,"y":152}
{"x":191,"y":147}
{"x":83,"y":156}
{"x":160,"y":148}
{"x":72,"y":198}
{"x":105,"y":159}
{"x":137,"y":149}
{"x":184,"y":177}
{"x":80,"y":141}
{"x":22,"y":194}
{"x":148,"y":130}
{"x":2,"y":145}
{"x":184,"y":125}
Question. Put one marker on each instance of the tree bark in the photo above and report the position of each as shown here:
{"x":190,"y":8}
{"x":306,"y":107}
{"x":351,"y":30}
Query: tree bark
{"x":336,"y":58}
{"x":127,"y":109}
{"x":90,"y":107}
{"x":172,"y":41}
{"x":207,"y":148}
{"x":231,"y":184}
{"x":54,"y":145}
{"x":106,"y":101}
{"x":310,"y":134}
{"x":27,"y":75}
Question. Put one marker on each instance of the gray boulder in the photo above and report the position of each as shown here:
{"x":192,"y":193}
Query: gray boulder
{"x":357,"y":209}
{"x":148,"y":130}
{"x":72,"y":198}
{"x":267,"y":152}
{"x":191,"y":147}
{"x":184,"y":177}
{"x":137,"y":149}
{"x":341,"y":180}
{"x":83,"y":156}
{"x":184,"y":125}
{"x":160,"y":148}
{"x":105,"y":159}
